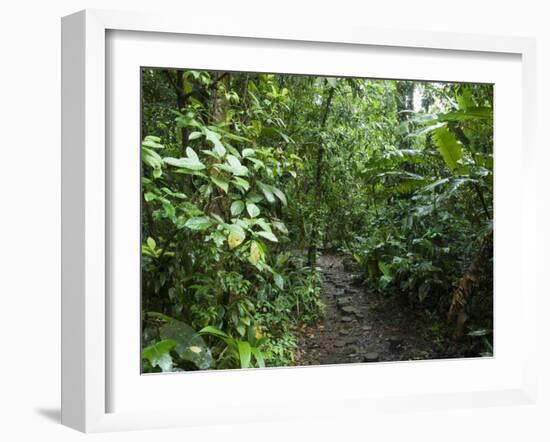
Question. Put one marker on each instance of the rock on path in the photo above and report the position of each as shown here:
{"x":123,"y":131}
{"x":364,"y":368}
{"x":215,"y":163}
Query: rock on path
{"x":355,"y":329}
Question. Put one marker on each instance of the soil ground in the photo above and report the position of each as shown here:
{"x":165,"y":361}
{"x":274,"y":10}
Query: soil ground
{"x":359,"y":326}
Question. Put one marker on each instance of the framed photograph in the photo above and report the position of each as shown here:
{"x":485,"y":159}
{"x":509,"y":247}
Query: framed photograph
{"x":333,"y":218}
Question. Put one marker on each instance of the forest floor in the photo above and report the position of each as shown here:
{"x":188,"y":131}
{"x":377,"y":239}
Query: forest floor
{"x":359,"y":326}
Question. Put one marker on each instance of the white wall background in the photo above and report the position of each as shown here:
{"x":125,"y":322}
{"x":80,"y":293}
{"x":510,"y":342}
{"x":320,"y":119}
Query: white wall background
{"x":30,"y":216}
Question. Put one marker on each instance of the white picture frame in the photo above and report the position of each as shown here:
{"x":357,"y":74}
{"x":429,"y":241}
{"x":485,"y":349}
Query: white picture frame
{"x":86,"y":310}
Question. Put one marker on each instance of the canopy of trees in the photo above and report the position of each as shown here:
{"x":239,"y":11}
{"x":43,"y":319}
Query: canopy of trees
{"x":248,"y":178}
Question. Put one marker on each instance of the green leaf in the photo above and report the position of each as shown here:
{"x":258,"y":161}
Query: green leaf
{"x":191,"y":154}
{"x":255,"y":253}
{"x":384,"y":268}
{"x":279,"y":194}
{"x":189,"y":346}
{"x":236,"y":167}
{"x":259,"y":357}
{"x":263,"y":224}
{"x":149,"y":196}
{"x":242,"y":184}
{"x":279,"y":280}
{"x":244,"y":353}
{"x":237,"y":207}
{"x":252,"y":210}
{"x":151,"y":243}
{"x":470,"y":113}
{"x":158,"y":354}
{"x":448,"y":147}
{"x":247,"y":152}
{"x":210,"y":330}
{"x":241,"y":329}
{"x":152,"y":159}
{"x":185,"y":163}
{"x":214,"y":138}
{"x":194,"y":135}
{"x":235,"y":228}
{"x":152,"y":142}
{"x":234,"y":240}
{"x":222,"y":183}
{"x":268,"y":235}
{"x":266,"y":190}
{"x":280,"y":226}
{"x":198,"y":223}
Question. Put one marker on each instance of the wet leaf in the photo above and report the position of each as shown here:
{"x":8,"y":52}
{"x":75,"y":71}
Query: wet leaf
{"x":189,"y":346}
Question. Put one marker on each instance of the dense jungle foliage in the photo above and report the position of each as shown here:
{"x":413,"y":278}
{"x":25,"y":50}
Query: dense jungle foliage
{"x":248,"y":178}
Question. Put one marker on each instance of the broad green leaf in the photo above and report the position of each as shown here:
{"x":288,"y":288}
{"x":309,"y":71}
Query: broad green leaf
{"x":448,"y":147}
{"x":198,"y":223}
{"x":152,"y":159}
{"x":252,"y":210}
{"x":259,"y":357}
{"x":280,"y":226}
{"x":266,"y":189}
{"x":194,"y":135}
{"x":241,"y":183}
{"x":214,"y":138}
{"x":255,"y":253}
{"x":235,"y":228}
{"x":241,"y":329}
{"x":191,"y":154}
{"x":234,"y":240}
{"x":151,"y":243}
{"x":236,"y":167}
{"x":254,"y":197}
{"x":259,"y":163}
{"x":237,"y":207}
{"x":152,"y":142}
{"x":189,"y":346}
{"x":471,"y":113}
{"x":244,"y":353}
{"x":158,"y":354}
{"x":263,"y":224}
{"x":247,"y":152}
{"x":185,"y":163}
{"x":279,"y":195}
{"x":222,"y":183}
{"x":279,"y":280}
{"x":210,"y":330}
{"x":268,"y":235}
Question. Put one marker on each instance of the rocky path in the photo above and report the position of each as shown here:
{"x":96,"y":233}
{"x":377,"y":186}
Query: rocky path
{"x":357,"y":327}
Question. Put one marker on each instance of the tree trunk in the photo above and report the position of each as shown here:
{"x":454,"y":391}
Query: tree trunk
{"x":468,"y":283}
{"x":312,"y":251}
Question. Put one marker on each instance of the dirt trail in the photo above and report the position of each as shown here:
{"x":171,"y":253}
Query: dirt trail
{"x":357,"y":327}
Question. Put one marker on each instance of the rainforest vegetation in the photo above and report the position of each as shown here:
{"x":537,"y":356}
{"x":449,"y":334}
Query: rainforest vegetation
{"x":296,"y":220}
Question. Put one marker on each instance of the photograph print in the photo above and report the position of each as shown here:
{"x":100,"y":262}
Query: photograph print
{"x":304,"y":220}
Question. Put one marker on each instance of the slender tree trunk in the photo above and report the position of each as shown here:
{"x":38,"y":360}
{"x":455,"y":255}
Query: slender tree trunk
{"x":312,"y":251}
